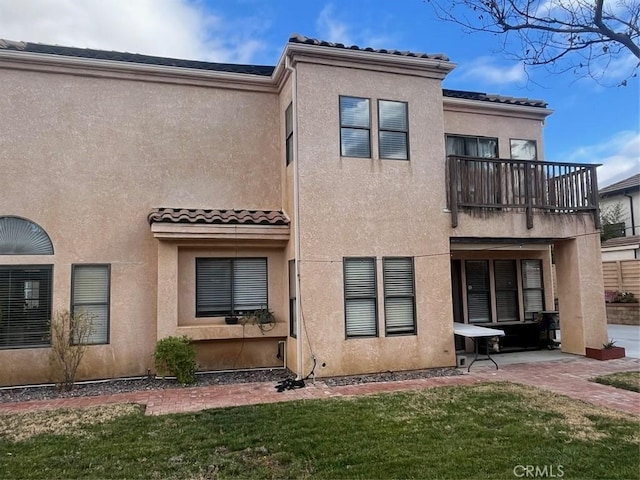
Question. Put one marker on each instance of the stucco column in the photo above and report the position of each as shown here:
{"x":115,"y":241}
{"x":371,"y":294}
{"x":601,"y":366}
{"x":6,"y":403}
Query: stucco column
{"x":167,"y":321}
{"x":583,"y":318}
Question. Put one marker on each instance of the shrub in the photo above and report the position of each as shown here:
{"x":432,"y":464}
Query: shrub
{"x":69,"y":336}
{"x":176,"y":356}
{"x":611,"y":296}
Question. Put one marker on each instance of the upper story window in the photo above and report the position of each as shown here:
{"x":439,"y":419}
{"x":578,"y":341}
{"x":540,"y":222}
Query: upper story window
{"x":19,"y":236}
{"x":288,"y":122}
{"x":355,"y":127}
{"x":230,"y":286}
{"x":393,"y":124}
{"x":523,"y":149}
{"x":483,"y":147}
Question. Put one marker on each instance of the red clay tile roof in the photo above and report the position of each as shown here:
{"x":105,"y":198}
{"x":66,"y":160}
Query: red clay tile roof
{"x":297,"y":38}
{"x":217,"y":217}
{"x":628,"y":184}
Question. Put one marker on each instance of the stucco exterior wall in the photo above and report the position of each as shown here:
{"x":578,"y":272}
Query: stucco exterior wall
{"x":88,"y":158}
{"x":374,"y":208}
{"x":489,"y":122}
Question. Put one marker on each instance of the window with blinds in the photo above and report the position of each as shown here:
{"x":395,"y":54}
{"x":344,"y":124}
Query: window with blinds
{"x":230,"y":286}
{"x":288,"y":123}
{"x":506,"y":284}
{"x":532,"y":288}
{"x":399,"y":296}
{"x":355,"y":127}
{"x":393,"y":134}
{"x":25,"y":306}
{"x":90,"y":285}
{"x":478,"y":291}
{"x":360,"y":297}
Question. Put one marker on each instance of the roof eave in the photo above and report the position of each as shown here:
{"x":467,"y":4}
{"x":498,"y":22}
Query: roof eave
{"x":132,"y":71}
{"x":433,"y":67}
{"x":504,"y":109}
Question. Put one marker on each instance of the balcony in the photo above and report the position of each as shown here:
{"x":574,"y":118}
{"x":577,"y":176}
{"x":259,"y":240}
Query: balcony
{"x":521,"y":185}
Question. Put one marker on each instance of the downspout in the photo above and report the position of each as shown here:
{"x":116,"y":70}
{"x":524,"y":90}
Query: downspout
{"x":296,"y":216}
{"x":633,"y":221}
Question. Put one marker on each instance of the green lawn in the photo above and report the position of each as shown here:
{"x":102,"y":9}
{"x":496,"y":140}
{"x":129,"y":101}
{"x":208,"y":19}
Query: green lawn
{"x":625,"y":380}
{"x":481,"y":431}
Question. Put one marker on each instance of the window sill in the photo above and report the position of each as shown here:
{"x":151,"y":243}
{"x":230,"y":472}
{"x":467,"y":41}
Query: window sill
{"x":224,"y":332}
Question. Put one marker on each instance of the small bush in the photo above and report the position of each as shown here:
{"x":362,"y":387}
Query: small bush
{"x":176,"y":356}
{"x":70,"y":334}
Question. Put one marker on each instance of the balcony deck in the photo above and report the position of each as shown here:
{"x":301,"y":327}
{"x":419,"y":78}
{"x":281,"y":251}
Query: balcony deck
{"x":521,"y":185}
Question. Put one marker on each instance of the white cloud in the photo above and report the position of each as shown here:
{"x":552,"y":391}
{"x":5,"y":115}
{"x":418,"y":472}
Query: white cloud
{"x":485,"y":70}
{"x":619,"y":156}
{"x":332,"y":28}
{"x":171,"y":28}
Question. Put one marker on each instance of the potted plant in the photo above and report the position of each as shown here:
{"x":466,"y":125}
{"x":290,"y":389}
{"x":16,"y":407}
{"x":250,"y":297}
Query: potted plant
{"x":263,"y":318}
{"x":609,"y":351}
{"x":231,"y":320}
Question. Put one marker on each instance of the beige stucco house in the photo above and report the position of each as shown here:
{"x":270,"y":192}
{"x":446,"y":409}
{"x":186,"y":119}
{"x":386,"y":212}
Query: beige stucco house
{"x":343,"y":189}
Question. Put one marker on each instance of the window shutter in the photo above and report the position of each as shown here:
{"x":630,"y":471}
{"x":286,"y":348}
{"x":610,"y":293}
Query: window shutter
{"x":506,"y":280}
{"x":250,"y":284}
{"x":213,"y":287}
{"x":399,"y":295}
{"x":478,"y":307}
{"x":360,"y":297}
{"x":91,"y":295}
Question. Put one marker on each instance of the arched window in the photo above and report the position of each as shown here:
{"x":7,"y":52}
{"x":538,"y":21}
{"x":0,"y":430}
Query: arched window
{"x":19,"y":236}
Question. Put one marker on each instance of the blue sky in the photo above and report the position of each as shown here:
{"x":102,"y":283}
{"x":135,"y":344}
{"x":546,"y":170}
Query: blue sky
{"x":591,"y":123}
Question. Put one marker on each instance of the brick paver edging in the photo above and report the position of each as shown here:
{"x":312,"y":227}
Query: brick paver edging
{"x":568,"y":377}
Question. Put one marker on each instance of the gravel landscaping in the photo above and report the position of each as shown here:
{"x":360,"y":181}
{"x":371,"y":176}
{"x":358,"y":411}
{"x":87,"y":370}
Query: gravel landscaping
{"x":124,"y":385}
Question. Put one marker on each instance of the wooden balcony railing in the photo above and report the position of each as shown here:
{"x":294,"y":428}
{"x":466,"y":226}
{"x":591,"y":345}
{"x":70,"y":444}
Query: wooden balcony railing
{"x":521,"y":185}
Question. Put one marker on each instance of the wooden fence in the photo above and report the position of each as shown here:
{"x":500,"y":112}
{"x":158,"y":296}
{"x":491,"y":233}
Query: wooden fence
{"x":622,"y":275}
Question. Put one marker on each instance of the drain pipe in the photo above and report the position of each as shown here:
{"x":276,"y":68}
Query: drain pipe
{"x":296,"y":215}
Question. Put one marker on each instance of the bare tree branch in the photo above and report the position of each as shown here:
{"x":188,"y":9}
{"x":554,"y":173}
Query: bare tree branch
{"x":590,"y":37}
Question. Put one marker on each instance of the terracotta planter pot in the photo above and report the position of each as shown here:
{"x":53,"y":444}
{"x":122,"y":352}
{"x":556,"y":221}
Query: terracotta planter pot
{"x":605,"y":353}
